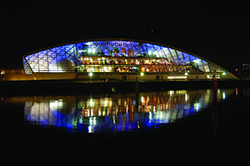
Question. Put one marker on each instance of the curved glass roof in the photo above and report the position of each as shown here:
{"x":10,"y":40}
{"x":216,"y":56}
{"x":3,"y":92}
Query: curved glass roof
{"x":41,"y":61}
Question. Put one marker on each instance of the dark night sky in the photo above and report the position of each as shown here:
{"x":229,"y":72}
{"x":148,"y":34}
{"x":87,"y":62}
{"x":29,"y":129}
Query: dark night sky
{"x":214,"y":29}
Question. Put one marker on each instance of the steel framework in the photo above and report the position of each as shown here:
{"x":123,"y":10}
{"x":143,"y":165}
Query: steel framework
{"x":42,"y":61}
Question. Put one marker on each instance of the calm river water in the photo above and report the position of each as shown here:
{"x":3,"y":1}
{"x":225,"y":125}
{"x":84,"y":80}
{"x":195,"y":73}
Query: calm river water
{"x":115,"y":112}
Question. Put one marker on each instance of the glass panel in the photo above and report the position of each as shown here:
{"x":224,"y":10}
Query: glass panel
{"x":180,"y":56}
{"x":27,"y":69}
{"x":186,"y":57}
{"x":173,"y":53}
{"x":68,"y":57}
{"x":206,"y":68}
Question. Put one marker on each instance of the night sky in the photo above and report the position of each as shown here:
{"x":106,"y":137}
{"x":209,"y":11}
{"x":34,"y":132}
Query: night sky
{"x":214,"y":29}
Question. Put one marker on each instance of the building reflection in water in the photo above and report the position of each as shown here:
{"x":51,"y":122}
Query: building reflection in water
{"x":117,"y":112}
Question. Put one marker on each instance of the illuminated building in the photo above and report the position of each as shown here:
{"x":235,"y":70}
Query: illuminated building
{"x":246,"y":69}
{"x":120,"y":59}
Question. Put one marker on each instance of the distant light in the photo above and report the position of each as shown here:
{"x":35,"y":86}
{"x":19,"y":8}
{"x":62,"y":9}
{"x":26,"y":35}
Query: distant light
{"x":224,"y":95}
{"x":186,"y":73}
{"x":90,"y":74}
{"x":2,"y":71}
{"x":142,"y":74}
{"x":224,"y":73}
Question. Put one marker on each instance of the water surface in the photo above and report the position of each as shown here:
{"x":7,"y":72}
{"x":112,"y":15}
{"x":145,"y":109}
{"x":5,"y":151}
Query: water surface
{"x":116,"y":112}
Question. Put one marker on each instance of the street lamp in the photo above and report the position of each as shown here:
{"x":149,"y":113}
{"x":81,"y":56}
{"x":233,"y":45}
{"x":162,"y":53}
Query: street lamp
{"x":141,"y":74}
{"x":90,"y":75}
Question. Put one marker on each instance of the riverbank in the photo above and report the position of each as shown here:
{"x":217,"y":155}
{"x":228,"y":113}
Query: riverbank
{"x":67,"y":87}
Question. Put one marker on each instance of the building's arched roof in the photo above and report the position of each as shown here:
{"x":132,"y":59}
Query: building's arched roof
{"x":40,"y":60}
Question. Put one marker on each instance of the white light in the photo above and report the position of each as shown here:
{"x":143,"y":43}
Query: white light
{"x":196,"y":61}
{"x":177,"y":77}
{"x":91,"y":103}
{"x":150,"y":116}
{"x":171,"y":93}
{"x":224,"y":95}
{"x":186,"y":74}
{"x":92,"y":121}
{"x":186,"y":97}
{"x":197,"y":106}
{"x":90,"y":129}
{"x":89,"y":43}
{"x":90,"y":74}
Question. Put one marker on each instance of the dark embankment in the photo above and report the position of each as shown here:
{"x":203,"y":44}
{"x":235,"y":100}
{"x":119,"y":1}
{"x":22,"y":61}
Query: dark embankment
{"x":67,"y":87}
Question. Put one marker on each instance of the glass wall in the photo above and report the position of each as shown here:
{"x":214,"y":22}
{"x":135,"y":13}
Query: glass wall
{"x":74,"y":57}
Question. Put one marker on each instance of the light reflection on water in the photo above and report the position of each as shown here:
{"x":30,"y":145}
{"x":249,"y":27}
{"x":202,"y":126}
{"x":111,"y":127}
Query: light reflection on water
{"x":117,"y":112}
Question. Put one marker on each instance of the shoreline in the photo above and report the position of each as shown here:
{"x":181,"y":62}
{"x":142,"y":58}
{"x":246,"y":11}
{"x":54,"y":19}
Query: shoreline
{"x":68,"y":87}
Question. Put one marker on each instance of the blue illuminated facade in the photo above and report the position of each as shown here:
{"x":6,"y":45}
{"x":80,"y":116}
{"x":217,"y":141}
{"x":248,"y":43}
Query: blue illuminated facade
{"x":106,"y":56}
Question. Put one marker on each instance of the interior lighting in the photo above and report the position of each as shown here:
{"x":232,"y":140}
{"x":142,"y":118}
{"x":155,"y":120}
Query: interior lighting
{"x":171,"y":93}
{"x":186,"y":97}
{"x":196,"y":61}
{"x":89,"y":43}
{"x":91,"y":102}
{"x":177,"y":77}
{"x":91,"y":50}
